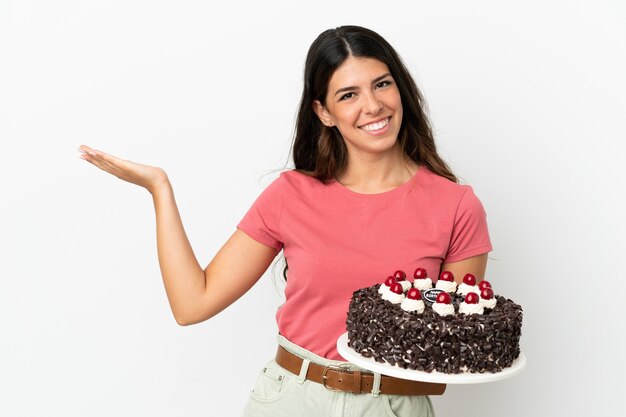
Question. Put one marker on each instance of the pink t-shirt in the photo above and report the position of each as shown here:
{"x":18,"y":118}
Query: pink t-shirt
{"x":336,"y":241}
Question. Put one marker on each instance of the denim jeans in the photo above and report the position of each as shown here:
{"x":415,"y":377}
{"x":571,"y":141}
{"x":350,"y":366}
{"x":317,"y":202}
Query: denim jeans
{"x":279,"y":393}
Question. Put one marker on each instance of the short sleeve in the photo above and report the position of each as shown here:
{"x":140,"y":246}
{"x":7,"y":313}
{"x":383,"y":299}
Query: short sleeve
{"x":470,"y":235}
{"x":262,"y":220}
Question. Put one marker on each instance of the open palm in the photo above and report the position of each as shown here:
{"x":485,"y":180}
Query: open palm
{"x":146,"y":176}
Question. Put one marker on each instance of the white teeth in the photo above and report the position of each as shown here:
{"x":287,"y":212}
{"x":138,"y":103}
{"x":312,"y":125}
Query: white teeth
{"x":377,"y":125}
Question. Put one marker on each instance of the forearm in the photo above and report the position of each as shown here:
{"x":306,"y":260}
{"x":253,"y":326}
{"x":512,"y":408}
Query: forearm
{"x":183,"y":276}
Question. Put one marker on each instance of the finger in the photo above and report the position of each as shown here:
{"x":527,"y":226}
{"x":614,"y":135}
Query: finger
{"x":97,"y":162}
{"x":100,"y":154}
{"x":86,"y":149}
{"x":113,"y":169}
{"x":105,"y":158}
{"x":115,"y":165}
{"x":102,"y":164}
{"x":111,"y":160}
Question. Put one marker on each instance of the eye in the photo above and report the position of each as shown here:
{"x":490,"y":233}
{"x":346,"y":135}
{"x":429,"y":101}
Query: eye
{"x":346,"y":96}
{"x":384,"y":83}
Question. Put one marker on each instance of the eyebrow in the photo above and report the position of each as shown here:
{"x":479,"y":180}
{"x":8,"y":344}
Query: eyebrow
{"x":341,"y":90}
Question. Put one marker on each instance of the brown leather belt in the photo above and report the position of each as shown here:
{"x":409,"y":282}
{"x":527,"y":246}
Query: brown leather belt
{"x":338,"y":379}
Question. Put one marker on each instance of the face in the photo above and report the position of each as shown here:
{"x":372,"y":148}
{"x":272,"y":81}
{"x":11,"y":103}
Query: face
{"x":364,"y":103}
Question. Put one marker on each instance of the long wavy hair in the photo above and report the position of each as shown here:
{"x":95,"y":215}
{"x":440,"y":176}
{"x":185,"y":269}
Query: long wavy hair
{"x":320,"y":151}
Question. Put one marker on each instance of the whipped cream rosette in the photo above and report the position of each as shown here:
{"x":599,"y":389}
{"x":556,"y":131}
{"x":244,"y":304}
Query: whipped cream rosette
{"x":471,"y":305}
{"x":395,"y":294}
{"x":385,"y":286}
{"x":446,"y":282}
{"x":400,"y":276}
{"x":487,"y":299}
{"x":443,"y":304}
{"x":468,"y":285}
{"x":421,"y":280}
{"x":413,"y":301}
{"x":423,"y":284}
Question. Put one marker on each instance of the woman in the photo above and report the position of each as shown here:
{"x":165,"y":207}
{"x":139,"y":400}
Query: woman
{"x":369,"y":195}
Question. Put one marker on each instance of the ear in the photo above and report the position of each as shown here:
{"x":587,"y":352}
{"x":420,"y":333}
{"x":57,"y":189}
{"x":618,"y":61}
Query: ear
{"x":322,"y":113}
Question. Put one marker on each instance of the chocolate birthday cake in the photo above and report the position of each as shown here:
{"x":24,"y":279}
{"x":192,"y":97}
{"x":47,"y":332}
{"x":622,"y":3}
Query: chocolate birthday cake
{"x":450,"y":329}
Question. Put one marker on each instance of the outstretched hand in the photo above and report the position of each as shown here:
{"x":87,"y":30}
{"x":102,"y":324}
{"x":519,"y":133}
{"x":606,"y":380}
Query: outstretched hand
{"x":146,"y":176}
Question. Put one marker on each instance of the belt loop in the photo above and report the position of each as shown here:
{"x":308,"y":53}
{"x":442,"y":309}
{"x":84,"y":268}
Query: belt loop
{"x":303,"y":370}
{"x":376,"y":385}
{"x":356,"y":388}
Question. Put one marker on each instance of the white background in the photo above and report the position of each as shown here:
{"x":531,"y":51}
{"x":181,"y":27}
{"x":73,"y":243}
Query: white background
{"x":528,"y":105}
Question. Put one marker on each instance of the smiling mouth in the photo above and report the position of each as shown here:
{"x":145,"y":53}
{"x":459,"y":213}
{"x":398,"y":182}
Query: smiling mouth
{"x":372,"y":127}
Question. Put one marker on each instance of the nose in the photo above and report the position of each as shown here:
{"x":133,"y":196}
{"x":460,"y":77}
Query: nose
{"x":371,"y":104}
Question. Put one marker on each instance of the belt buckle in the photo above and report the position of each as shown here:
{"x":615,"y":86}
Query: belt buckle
{"x":325,"y":377}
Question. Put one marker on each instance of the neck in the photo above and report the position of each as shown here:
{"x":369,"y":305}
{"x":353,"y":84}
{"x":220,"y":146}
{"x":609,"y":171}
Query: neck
{"x":377,"y":173}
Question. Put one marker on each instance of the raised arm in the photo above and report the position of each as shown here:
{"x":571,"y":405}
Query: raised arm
{"x":194,"y":294}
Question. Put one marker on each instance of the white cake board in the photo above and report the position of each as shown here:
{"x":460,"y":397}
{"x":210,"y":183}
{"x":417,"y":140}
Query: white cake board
{"x":437,"y":377}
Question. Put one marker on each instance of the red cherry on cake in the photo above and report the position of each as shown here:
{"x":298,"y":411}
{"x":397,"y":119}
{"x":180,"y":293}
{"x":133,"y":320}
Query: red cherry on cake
{"x":486,"y":293}
{"x":443,"y":298}
{"x":420,"y":273}
{"x":469,"y":279}
{"x":399,"y":275}
{"x":484,"y":284}
{"x":396,"y":288}
{"x":390,"y":281}
{"x":446,"y":276}
{"x":471,"y":298}
{"x":414,"y":294}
